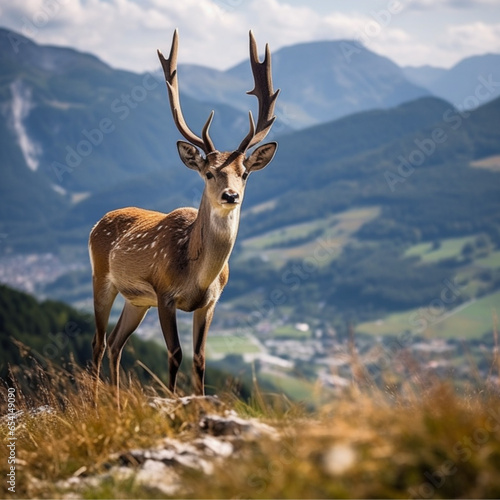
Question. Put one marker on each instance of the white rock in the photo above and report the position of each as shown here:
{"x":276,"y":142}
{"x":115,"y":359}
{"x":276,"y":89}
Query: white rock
{"x":339,"y":459}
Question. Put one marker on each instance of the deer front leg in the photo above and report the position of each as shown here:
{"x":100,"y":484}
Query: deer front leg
{"x":104,"y":296}
{"x":202,"y":319}
{"x":129,"y":320}
{"x":168,"y":323}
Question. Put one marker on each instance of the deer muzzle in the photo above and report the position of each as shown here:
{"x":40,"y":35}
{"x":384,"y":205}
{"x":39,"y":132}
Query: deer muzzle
{"x":230,"y":197}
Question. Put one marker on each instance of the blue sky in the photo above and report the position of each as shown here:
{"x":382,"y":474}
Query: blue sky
{"x":126,"y":33}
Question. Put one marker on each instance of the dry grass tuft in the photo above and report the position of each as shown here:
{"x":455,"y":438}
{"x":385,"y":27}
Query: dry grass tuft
{"x":367,"y":446}
{"x":61,"y":431}
{"x":423,"y":440}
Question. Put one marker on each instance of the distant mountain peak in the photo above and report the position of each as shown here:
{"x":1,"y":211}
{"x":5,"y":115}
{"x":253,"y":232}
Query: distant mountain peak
{"x":319,"y":80}
{"x":468,"y":84}
{"x":18,"y":49}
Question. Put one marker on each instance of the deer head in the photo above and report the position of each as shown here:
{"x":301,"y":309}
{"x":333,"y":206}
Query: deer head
{"x":225,"y":173}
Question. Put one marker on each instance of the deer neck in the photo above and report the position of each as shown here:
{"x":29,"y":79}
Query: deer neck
{"x":212,"y":240}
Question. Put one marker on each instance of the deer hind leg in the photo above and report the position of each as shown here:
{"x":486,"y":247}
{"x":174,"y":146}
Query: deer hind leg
{"x":202,"y":319}
{"x":104,"y":296}
{"x":168,"y":323}
{"x":129,"y":320}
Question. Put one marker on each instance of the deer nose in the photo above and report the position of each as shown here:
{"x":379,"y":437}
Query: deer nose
{"x":230,"y":196}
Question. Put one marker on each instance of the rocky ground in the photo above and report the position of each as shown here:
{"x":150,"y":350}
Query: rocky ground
{"x":159,"y":469}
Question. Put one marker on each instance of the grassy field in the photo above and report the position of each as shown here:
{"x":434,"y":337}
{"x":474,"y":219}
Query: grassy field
{"x":226,"y":344}
{"x":491,"y":261}
{"x":291,"y":332}
{"x":420,"y":440}
{"x":296,"y":389}
{"x":392,"y":324}
{"x":332,"y":233}
{"x":470,"y":320}
{"x":450,"y":247}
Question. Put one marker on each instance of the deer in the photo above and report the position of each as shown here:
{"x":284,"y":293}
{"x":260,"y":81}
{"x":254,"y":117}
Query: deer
{"x":178,"y":260}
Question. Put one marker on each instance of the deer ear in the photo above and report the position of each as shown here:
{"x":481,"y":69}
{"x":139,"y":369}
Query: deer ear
{"x":261,"y":157}
{"x":190,"y":155}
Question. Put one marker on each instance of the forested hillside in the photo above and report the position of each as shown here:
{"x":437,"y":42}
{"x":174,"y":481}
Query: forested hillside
{"x":388,"y":158}
{"x":410,"y":172}
{"x":408,"y":189}
{"x":50,"y":334}
{"x":71,"y":126}
{"x":53,"y":332}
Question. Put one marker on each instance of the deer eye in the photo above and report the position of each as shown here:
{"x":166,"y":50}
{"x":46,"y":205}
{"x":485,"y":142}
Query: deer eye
{"x":244,"y":176}
{"x":209,"y":175}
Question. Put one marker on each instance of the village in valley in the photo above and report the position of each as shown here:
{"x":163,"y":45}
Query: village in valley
{"x":300,"y":357}
{"x":452,"y":336}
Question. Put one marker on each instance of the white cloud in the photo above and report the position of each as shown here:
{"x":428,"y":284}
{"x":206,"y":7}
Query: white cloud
{"x":126,"y":33}
{"x":471,"y":39}
{"x":453,"y":44}
{"x":450,"y":4}
{"x":286,"y":24}
{"x":122,"y":32}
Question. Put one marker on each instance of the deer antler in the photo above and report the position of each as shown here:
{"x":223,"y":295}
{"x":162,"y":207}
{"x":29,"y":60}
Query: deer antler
{"x":264,"y":92}
{"x":170,"y":70}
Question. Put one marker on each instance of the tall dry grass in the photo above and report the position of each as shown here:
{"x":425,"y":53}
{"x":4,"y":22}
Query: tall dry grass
{"x":62,"y":431}
{"x":420,"y":439}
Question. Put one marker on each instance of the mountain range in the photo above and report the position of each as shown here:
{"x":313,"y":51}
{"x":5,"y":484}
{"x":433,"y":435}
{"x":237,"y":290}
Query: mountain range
{"x":320,"y":81}
{"x":78,"y":138}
